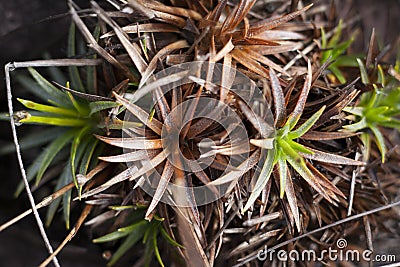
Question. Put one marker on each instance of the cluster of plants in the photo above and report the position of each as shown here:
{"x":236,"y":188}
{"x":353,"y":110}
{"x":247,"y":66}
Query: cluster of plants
{"x":331,"y":152}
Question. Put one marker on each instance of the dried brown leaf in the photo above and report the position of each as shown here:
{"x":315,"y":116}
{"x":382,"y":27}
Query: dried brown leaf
{"x":167,"y":173}
{"x":132,"y":48}
{"x":132,"y":143}
{"x":142,"y":115}
{"x":331,"y":158}
{"x":270,"y":24}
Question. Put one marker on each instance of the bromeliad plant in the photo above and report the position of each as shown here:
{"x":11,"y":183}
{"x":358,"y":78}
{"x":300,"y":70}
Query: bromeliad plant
{"x":375,"y":109}
{"x":334,"y":51}
{"x":138,"y":230}
{"x":74,"y":121}
{"x":284,"y":148}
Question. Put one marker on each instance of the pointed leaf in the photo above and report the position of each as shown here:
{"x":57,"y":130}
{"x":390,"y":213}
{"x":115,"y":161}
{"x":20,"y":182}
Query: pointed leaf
{"x":321,"y":136}
{"x":132,"y":143}
{"x":299,"y":148}
{"x":279,"y":98}
{"x":48,"y":109}
{"x":298,"y":110}
{"x":87,"y":157}
{"x":65,"y":178}
{"x":134,"y":236}
{"x":270,"y":24}
{"x":243,"y":168}
{"x":363,"y":72}
{"x":306,"y":125}
{"x":156,"y":251}
{"x":71,"y":52}
{"x":76,"y":144}
{"x":292,"y":200}
{"x":52,"y":150}
{"x":101,"y":105}
{"x":304,"y":172}
{"x":282,"y":167}
{"x":34,"y":139}
{"x":380,"y":141}
{"x":263,"y":127}
{"x":262,"y":179}
{"x":121,"y":232}
{"x":132,"y":156}
{"x":359,"y":111}
{"x":131,"y":173}
{"x":362,"y":124}
{"x":169,"y":238}
{"x":142,"y":115}
{"x":49,"y":90}
{"x":331,"y":158}
{"x":166,"y":176}
{"x":338,"y":74}
{"x":267,"y":143}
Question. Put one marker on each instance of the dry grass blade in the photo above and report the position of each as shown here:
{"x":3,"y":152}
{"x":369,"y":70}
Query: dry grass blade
{"x":332,"y":190}
{"x":280,"y":35}
{"x":61,"y":62}
{"x":298,"y":110}
{"x":351,"y":197}
{"x":140,"y":6}
{"x":264,"y":60}
{"x":168,"y":171}
{"x":267,"y":143}
{"x":238,"y":14}
{"x":144,"y":28}
{"x":292,"y":200}
{"x":132,"y":48}
{"x":268,"y":25}
{"x":96,"y":47}
{"x":142,"y":115}
{"x":83,"y":95}
{"x":252,"y":64}
{"x":189,"y":113}
{"x":132,"y":143}
{"x":227,"y":78}
{"x":202,"y":124}
{"x":264,"y":128}
{"x":331,"y":158}
{"x":253,"y":243}
{"x":266,"y":218}
{"x":71,"y":234}
{"x":373,"y":50}
{"x":170,"y":19}
{"x":179,"y":11}
{"x":131,"y":173}
{"x":322,"y":136}
{"x":279,"y":99}
{"x":148,"y":88}
{"x":132,"y":156}
{"x":308,"y":176}
{"x":244,"y":167}
{"x":228,"y":47}
{"x":344,"y":101}
{"x":284,"y":46}
{"x":159,"y":57}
